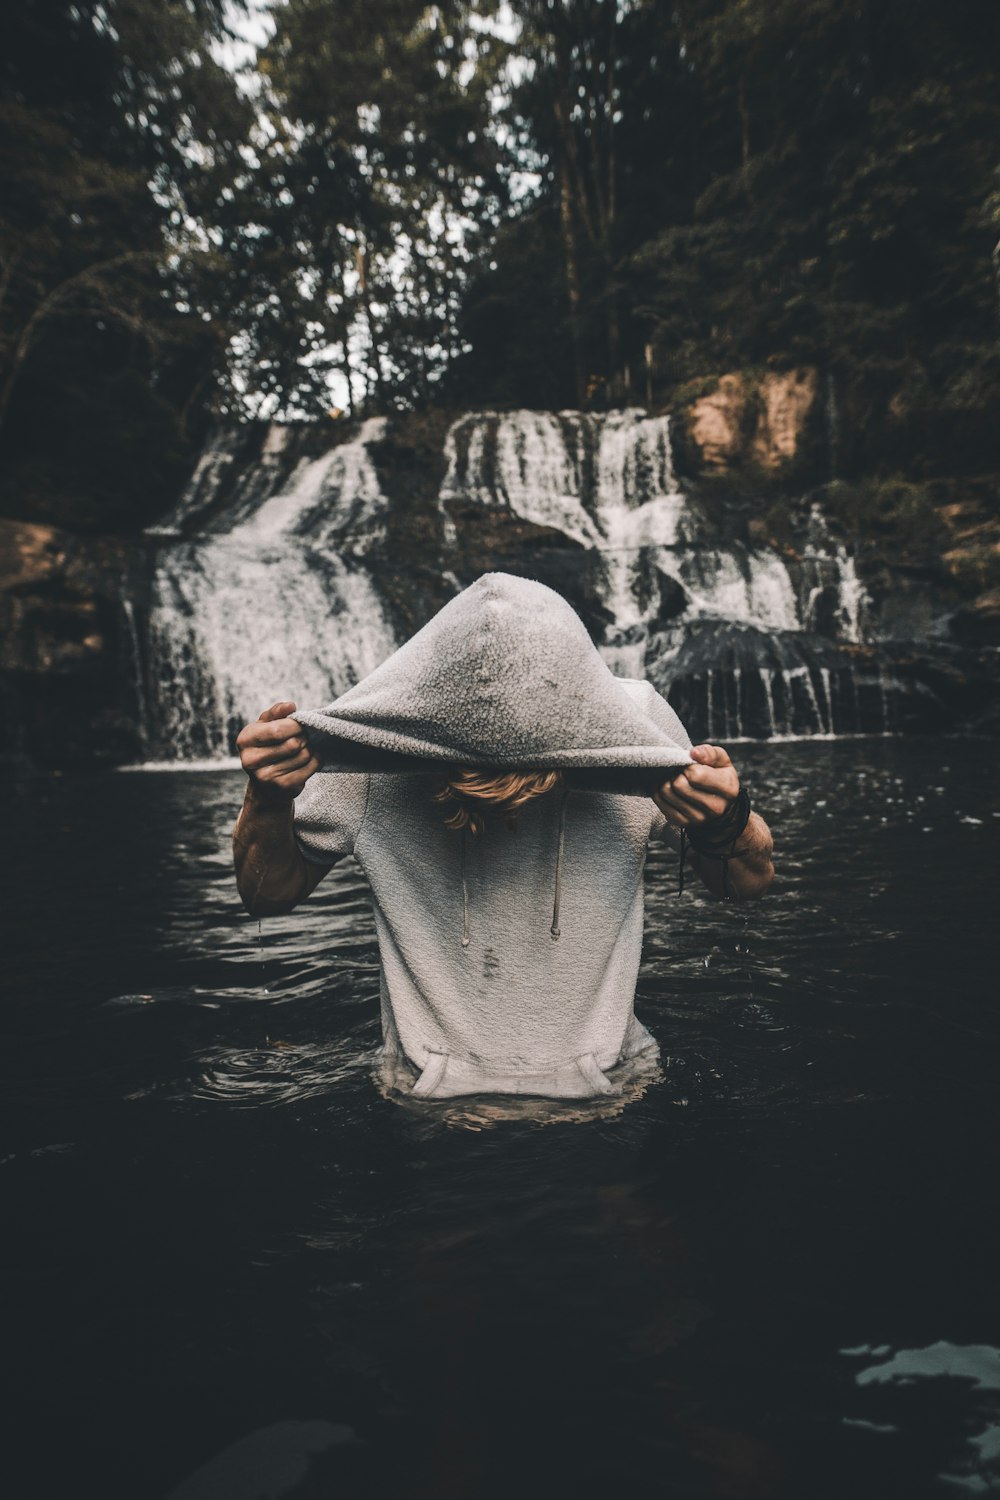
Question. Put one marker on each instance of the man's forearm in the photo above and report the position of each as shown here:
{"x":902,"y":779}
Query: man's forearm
{"x":272,"y":876}
{"x":749,"y":870}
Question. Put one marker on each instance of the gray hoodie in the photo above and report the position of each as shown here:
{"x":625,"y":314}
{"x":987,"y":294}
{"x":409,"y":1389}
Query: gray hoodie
{"x":508,"y":958}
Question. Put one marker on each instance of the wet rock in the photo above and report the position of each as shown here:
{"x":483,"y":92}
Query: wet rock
{"x":785,"y":402}
{"x":750,"y":419}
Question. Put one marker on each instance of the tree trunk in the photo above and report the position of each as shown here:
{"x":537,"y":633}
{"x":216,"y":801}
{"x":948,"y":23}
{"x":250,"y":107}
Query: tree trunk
{"x":615,"y":383}
{"x":361,"y":262}
{"x":344,"y":329}
{"x":572,"y":282}
{"x":615,"y":389}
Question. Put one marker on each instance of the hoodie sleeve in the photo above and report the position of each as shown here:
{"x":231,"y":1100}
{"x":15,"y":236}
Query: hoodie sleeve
{"x":329,"y":812}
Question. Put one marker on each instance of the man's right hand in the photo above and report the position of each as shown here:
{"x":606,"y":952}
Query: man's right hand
{"x":274,"y":753}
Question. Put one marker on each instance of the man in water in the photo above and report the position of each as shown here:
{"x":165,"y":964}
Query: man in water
{"x":491,"y":771}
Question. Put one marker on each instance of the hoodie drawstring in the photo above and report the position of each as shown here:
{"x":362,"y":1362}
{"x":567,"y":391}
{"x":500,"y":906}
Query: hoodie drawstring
{"x":554,"y":929}
{"x":557,"y":895}
{"x":465,"y":897}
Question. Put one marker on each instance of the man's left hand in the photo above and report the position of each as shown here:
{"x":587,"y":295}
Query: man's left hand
{"x":702,"y":791}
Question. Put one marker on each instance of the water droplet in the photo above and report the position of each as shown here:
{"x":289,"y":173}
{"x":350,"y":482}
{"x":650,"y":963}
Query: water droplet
{"x":263,"y":964}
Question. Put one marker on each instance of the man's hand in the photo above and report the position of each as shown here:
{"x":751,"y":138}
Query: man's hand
{"x":271,"y":874}
{"x":706,"y":790}
{"x":701,"y":791}
{"x":274,"y":753}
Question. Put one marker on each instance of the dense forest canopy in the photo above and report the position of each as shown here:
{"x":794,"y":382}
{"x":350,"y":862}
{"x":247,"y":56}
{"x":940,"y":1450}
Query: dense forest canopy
{"x":551,"y":202}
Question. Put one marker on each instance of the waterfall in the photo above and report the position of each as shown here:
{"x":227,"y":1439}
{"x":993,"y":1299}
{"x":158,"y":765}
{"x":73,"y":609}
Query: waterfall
{"x":528,"y":462}
{"x":607,"y":482}
{"x":335,"y":501}
{"x":279,"y":574}
{"x":136,"y":664}
{"x":229,"y":469}
{"x":273,"y":601}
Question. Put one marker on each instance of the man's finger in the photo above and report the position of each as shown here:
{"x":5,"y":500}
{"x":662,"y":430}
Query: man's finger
{"x":679,"y":811}
{"x":269,"y":762}
{"x":276,"y":755}
{"x":709,"y":800}
{"x":299,"y":776}
{"x":710,"y":755}
{"x":712,"y":781}
{"x":270,"y":733}
{"x":277,"y":711}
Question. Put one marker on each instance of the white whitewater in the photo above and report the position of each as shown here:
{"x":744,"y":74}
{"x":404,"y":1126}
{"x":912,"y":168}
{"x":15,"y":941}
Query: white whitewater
{"x":334,"y":501}
{"x":607,"y":482}
{"x":274,"y":603}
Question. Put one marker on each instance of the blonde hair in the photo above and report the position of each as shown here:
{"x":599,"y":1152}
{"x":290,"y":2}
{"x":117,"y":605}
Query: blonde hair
{"x":469,"y":789}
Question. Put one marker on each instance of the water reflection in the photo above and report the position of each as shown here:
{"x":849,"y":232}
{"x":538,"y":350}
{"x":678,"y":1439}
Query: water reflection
{"x":279,"y":1072}
{"x":481,"y":1111}
{"x":266,"y":1465}
{"x":975,"y":1454}
{"x":219,"y":1224}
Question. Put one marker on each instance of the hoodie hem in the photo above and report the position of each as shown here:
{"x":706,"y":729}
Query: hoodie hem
{"x":446,"y":1075}
{"x":389,"y":749}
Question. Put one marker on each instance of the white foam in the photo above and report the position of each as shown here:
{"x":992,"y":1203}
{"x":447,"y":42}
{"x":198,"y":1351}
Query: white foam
{"x":275,"y":603}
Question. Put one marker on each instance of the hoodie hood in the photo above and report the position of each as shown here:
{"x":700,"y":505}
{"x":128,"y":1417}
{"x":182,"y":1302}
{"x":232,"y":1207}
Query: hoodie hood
{"x":504,"y":676}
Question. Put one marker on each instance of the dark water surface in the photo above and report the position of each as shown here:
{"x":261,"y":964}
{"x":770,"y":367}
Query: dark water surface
{"x":776,"y":1274}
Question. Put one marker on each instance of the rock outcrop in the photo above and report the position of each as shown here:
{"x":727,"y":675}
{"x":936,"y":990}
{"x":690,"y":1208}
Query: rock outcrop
{"x":748,"y":418}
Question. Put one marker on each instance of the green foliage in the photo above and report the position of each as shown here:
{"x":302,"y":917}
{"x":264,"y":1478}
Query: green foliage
{"x":516,"y":324}
{"x":843,"y":216}
{"x":118,"y":134}
{"x":798,"y":182}
{"x":606,"y":201}
{"x":893,"y":509}
{"x":894,"y":516}
{"x":376,"y":181}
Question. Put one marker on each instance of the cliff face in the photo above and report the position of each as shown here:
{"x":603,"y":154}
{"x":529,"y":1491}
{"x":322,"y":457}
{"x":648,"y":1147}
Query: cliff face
{"x":972,"y":558}
{"x":750,"y":420}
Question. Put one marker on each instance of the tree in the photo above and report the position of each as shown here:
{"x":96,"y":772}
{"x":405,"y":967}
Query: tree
{"x":118,"y":131}
{"x":840,"y":214}
{"x":375,"y":190}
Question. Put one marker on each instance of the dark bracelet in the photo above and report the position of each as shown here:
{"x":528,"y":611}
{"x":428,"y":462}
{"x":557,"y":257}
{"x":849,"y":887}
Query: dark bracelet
{"x":717,"y":842}
{"x":718,"y":836}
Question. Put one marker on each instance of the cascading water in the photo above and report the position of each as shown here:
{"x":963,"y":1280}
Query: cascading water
{"x":665,"y":573}
{"x":271,"y":577}
{"x":606,"y":482}
{"x":271,"y":600}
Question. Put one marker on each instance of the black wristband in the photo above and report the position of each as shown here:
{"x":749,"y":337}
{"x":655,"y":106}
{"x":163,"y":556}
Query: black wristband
{"x":718,"y":836}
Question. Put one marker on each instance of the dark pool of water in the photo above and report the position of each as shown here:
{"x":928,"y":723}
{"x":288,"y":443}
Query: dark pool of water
{"x":234,"y":1270}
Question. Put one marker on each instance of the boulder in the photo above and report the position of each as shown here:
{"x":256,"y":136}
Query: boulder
{"x":751,"y":419}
